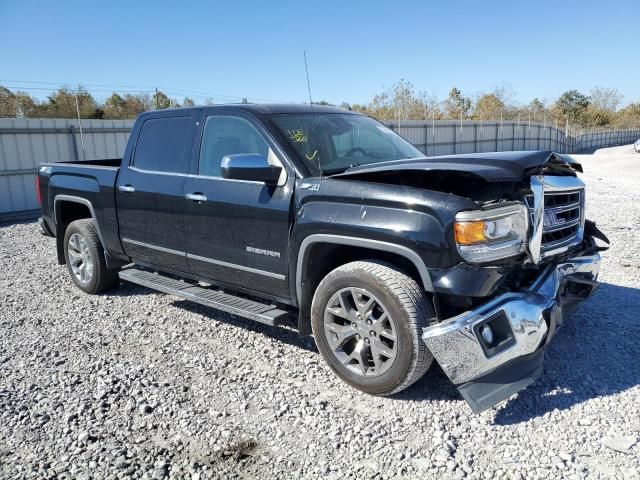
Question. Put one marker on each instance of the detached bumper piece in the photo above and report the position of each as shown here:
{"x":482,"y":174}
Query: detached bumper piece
{"x":496,"y":350}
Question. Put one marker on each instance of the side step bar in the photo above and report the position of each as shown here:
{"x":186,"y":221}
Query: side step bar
{"x":241,"y":307}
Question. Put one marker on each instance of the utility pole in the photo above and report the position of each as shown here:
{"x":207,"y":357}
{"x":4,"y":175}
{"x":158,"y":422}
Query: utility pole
{"x":156,"y":98}
{"x":84,"y":155}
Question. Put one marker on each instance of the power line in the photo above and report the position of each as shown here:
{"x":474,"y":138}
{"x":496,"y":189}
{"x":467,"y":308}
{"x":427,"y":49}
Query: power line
{"x":75,"y":90}
{"x":135,"y":88}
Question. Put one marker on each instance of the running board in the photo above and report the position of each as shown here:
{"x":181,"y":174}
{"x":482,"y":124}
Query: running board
{"x":241,"y":307}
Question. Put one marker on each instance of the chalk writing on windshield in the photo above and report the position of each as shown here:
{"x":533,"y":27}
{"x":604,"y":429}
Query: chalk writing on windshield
{"x":297,"y":136}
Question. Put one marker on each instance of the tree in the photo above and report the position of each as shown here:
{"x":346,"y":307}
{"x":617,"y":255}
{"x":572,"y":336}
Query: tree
{"x":607,"y":99}
{"x":62,"y":104}
{"x":536,"y":107}
{"x":16,"y":104}
{"x":115,"y":107}
{"x":136,"y":104}
{"x":488,"y":107}
{"x":593,"y":117}
{"x":572,"y":105}
{"x":628,"y":116}
{"x":161,"y":101}
{"x":400,"y":102}
{"x":188,"y":102}
{"x":404,"y":101}
{"x":127,"y":107}
{"x":457,"y":105}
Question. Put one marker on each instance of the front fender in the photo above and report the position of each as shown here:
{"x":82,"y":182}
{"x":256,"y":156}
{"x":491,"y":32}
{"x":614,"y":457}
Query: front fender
{"x":415,"y":223}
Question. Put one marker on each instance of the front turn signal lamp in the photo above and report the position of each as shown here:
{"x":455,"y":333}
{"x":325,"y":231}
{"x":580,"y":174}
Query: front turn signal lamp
{"x":491,"y":234}
{"x":469,"y":233}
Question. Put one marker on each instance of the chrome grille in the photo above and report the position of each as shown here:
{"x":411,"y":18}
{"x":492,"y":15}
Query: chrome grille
{"x":563,"y":219}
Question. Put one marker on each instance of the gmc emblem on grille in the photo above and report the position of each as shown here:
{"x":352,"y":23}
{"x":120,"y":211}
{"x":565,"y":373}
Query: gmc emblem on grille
{"x":552,"y":220}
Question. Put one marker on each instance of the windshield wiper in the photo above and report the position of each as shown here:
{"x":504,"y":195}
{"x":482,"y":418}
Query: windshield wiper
{"x":335,"y":171}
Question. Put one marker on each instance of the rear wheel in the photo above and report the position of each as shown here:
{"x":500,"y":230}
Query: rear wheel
{"x":367,"y":320}
{"x":84,"y":255}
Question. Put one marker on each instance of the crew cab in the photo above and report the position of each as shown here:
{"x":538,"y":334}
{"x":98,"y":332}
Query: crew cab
{"x":390,"y":259}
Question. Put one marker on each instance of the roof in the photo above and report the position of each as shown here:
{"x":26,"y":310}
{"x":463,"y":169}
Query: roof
{"x":263,"y":108}
{"x":274,"y":108}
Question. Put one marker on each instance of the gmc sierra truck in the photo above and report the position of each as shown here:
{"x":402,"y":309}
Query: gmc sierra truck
{"x":390,"y":259}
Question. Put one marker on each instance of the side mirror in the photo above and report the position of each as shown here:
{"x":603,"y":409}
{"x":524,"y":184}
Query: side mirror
{"x":250,"y":166}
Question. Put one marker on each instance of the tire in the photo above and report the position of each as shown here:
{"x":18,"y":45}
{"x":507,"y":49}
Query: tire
{"x":350,"y":326}
{"x":82,"y":247}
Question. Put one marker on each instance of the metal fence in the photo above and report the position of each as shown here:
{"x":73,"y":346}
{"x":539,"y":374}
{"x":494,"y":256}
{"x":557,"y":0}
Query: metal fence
{"x":469,"y":136}
{"x":26,"y":142}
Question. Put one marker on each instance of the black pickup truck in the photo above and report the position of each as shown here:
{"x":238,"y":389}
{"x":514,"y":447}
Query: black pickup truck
{"x":388,"y":258}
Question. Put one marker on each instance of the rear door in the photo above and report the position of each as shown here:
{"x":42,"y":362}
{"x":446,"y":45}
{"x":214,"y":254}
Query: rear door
{"x":237,"y":233}
{"x":149,"y":193}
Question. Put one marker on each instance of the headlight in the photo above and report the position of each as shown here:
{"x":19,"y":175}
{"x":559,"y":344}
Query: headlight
{"x":486,"y":235}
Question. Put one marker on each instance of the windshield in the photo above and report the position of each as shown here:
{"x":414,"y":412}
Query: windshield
{"x":333,"y":142}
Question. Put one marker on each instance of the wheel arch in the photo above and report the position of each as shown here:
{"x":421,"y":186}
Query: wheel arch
{"x":320,"y":253}
{"x":66,"y":209}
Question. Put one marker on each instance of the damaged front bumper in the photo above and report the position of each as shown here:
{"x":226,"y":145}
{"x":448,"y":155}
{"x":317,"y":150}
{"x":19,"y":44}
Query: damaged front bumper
{"x":497,"y":349}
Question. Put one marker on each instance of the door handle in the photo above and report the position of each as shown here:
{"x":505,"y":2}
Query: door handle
{"x":126,"y":188}
{"x":196,"y":197}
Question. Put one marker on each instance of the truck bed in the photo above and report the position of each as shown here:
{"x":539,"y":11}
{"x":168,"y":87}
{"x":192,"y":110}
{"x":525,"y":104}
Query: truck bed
{"x":90,"y":183}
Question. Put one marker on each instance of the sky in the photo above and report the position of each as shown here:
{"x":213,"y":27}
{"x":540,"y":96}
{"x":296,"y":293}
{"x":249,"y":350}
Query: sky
{"x":254,"y":49}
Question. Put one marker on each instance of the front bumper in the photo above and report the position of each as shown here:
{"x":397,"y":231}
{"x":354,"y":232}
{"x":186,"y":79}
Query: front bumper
{"x":521,"y":324}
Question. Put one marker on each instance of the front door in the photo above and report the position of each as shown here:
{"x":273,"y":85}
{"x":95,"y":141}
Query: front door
{"x":150,"y":192}
{"x":237,"y":231}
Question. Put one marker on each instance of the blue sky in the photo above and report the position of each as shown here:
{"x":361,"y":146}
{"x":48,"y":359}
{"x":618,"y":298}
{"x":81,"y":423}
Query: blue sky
{"x":253,"y":49}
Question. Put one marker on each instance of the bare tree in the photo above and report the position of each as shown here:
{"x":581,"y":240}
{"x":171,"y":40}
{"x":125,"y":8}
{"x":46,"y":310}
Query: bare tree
{"x":607,"y":99}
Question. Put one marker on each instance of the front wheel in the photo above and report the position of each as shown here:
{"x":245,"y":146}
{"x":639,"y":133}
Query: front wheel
{"x":84,"y":255}
{"x":367,"y":321}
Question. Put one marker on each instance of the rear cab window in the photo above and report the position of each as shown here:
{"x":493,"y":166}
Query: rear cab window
{"x":163,"y":145}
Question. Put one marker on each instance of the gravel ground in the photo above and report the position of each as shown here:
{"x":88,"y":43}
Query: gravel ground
{"x":135,"y":384}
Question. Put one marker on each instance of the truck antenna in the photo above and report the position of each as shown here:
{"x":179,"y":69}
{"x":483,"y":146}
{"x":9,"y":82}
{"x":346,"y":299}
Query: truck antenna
{"x":306,"y":70}
{"x":313,"y":114}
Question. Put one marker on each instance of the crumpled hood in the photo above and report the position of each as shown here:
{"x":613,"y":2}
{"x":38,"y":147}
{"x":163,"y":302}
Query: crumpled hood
{"x":492,"y":167}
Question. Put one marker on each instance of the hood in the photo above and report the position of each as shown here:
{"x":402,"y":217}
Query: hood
{"x":492,"y":167}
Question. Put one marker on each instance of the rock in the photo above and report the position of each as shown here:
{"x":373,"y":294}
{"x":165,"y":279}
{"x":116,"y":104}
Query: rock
{"x":83,"y":437}
{"x":451,"y":446}
{"x":159,"y":473}
{"x":422,"y":463}
{"x":622,"y":444}
{"x":567,"y":457}
{"x":145,"y":409}
{"x":442,"y":455}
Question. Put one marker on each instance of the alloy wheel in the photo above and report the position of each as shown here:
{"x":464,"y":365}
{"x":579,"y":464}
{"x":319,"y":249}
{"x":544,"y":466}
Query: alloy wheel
{"x":80,"y":258}
{"x":360,"y":331}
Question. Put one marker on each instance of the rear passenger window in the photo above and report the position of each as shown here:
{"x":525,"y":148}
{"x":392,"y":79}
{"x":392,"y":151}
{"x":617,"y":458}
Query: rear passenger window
{"x":227,"y":136}
{"x":162,"y":144}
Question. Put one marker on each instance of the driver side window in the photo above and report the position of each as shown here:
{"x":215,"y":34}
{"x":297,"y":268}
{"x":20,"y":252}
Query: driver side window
{"x":225,"y":135}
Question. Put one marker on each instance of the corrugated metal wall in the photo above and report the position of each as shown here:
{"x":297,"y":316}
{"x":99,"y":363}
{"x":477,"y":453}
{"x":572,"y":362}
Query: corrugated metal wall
{"x":453,"y":137}
{"x":26,"y":142}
